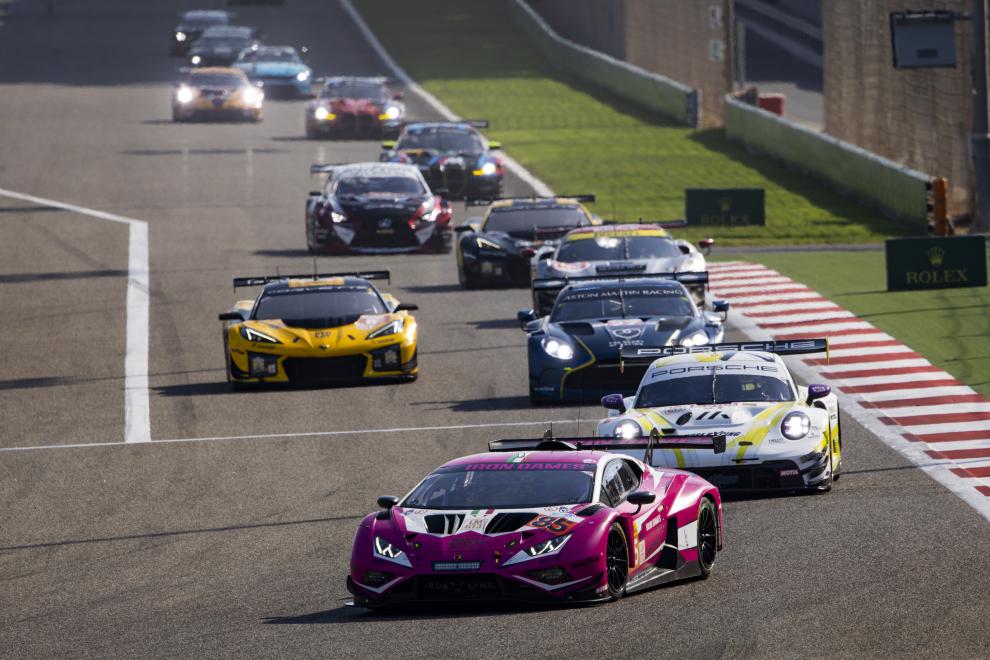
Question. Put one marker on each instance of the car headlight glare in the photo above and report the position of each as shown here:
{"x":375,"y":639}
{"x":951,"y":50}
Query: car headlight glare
{"x":302,"y":76}
{"x":488,"y":169}
{"x":322,"y":114}
{"x":627,"y":430}
{"x":337,"y":217}
{"x":184,"y":94}
{"x":253,"y":335}
{"x":391,"y":112}
{"x":558,"y":349}
{"x":486,"y":243}
{"x":552,"y":546}
{"x":795,"y":425}
{"x":390,"y":328}
{"x":180,"y":36}
{"x":253,"y":96}
{"x":699,"y":338}
{"x":388,"y":552}
{"x":195,"y":59}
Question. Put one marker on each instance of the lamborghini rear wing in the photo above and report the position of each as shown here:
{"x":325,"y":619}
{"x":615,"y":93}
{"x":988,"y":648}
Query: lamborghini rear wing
{"x":716,"y":443}
{"x":261,"y":280}
{"x":694,"y":277}
{"x":485,"y":201}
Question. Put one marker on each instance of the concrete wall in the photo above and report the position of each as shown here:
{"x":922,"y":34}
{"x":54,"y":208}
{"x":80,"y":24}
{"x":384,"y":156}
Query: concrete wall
{"x":919,"y":118}
{"x":597,"y":24}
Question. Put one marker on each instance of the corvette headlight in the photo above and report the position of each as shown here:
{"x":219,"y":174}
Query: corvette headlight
{"x":487,"y":244}
{"x":699,"y":338}
{"x":548,"y":547}
{"x":185,"y":94}
{"x":388,"y":552}
{"x":323,"y":114}
{"x":253,"y":335}
{"x":391,"y":328}
{"x":627,"y":430}
{"x":558,"y":349}
{"x":337,"y":217}
{"x":196,"y":59}
{"x":487,"y":169}
{"x":795,"y":425}
{"x":180,"y":36}
{"x":302,"y":76}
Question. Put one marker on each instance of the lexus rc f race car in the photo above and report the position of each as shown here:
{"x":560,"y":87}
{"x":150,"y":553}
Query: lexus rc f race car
{"x":577,"y":352}
{"x":498,"y":249}
{"x":453,"y":156}
{"x":321,"y":328}
{"x":220,"y":45}
{"x":279,"y":70}
{"x":778,"y":435}
{"x":191,"y":26}
{"x":376,"y":208}
{"x":355,"y":107}
{"x":551,"y":521}
{"x":217,"y":93}
{"x":619,"y":250}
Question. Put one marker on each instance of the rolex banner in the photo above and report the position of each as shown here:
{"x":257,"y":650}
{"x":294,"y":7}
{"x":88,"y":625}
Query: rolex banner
{"x":724,"y":207}
{"x":936,"y":263}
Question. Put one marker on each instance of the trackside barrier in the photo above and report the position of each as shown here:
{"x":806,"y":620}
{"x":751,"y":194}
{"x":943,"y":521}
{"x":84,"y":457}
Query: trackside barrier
{"x":893,"y":189}
{"x":644,"y":88}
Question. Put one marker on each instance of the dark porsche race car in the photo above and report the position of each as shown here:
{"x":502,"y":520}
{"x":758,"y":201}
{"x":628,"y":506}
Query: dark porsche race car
{"x":376,"y":208}
{"x":220,"y":45}
{"x":453,"y":156}
{"x":191,"y":25}
{"x":498,"y":248}
{"x":355,"y":107}
{"x":577,"y":353}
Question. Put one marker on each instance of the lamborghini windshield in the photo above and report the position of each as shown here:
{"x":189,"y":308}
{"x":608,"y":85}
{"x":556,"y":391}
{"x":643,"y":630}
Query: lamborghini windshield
{"x":624,"y":302}
{"x":319,"y":307}
{"x":617,"y":248}
{"x":504,"y":486}
{"x":716,"y":386}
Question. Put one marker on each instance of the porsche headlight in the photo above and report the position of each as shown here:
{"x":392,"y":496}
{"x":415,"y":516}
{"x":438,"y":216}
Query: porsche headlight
{"x":627,"y":430}
{"x":558,"y":349}
{"x":390,"y":328}
{"x":699,"y":338}
{"x":550,"y":547}
{"x":180,"y":36}
{"x":322,"y":114}
{"x":196,"y":59}
{"x":795,"y":425}
{"x":388,"y":552}
{"x":487,"y":244}
{"x":253,"y":335}
{"x":488,"y":169}
{"x":184,"y":94}
{"x":302,"y":76}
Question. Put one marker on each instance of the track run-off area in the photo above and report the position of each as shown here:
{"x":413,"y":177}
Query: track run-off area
{"x":226,"y":529}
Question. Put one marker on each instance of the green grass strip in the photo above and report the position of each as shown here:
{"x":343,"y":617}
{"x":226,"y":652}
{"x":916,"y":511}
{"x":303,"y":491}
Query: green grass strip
{"x":577,"y":139}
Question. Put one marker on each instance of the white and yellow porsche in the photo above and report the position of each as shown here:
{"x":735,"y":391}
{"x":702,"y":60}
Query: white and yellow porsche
{"x":779,"y":435}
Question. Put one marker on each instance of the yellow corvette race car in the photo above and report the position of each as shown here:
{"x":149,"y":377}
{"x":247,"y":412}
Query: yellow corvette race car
{"x":321,"y":328}
{"x":217,"y":93}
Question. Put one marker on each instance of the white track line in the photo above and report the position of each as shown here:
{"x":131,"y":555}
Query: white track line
{"x":899,"y":378}
{"x":137,"y":414}
{"x":306,"y":434}
{"x":538,"y":186}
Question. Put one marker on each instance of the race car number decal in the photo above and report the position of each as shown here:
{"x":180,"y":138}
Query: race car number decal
{"x":552,"y":525}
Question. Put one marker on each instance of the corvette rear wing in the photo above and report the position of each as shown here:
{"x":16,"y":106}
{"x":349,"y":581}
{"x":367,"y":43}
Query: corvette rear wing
{"x":694,"y":277}
{"x":485,"y":201}
{"x":261,"y":280}
{"x":716,"y":443}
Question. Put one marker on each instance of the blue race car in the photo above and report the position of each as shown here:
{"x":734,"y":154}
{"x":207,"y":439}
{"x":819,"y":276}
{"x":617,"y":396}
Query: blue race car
{"x":279,"y":69}
{"x":577,"y":353}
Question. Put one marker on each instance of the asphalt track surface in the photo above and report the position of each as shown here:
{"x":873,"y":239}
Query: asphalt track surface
{"x":239,"y":547}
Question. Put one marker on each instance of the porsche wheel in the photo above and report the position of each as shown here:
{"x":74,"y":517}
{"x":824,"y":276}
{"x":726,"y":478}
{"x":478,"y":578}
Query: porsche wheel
{"x":707,"y":537}
{"x":616,"y":562}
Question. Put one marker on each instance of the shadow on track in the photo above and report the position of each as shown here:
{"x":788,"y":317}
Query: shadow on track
{"x":417,"y":612}
{"x":480,"y":405}
{"x":20,"y":278}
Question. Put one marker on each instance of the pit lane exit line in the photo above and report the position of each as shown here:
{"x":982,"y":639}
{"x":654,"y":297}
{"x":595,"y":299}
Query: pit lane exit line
{"x":137,"y":415}
{"x":304,"y":434}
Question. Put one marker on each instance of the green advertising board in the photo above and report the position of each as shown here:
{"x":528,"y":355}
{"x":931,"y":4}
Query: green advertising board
{"x":936,"y":263}
{"x":724,"y":207}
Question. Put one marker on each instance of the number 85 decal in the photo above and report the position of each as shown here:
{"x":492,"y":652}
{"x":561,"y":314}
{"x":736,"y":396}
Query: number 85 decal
{"x":554,"y":525}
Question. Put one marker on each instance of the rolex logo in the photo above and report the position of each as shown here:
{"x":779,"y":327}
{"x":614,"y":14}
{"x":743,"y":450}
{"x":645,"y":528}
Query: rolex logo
{"x":935,"y":256}
{"x":725,"y":204}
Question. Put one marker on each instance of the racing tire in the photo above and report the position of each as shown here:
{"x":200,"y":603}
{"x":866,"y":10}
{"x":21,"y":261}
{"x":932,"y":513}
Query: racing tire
{"x":616,"y":562}
{"x":466,"y":281}
{"x":707,"y":537}
{"x":837,"y":471}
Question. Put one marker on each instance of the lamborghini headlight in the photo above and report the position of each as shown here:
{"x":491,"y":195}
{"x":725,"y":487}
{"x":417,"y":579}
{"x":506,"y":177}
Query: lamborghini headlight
{"x":487,"y":244}
{"x":488,"y":169}
{"x":627,"y":430}
{"x":180,"y":36}
{"x":253,"y":335}
{"x":558,"y":349}
{"x":390,"y":328}
{"x":550,"y":547}
{"x":795,"y":425}
{"x":385,"y":550}
{"x":699,"y":338}
{"x":302,"y":76}
{"x":322,"y":114}
{"x":184,"y":94}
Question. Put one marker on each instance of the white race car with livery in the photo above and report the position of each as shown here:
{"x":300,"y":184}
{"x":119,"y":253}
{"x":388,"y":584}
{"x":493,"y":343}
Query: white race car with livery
{"x":779,"y":435}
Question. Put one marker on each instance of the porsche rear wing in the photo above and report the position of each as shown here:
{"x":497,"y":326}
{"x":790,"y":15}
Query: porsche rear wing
{"x":716,"y":443}
{"x":646,"y":355}
{"x":261,"y":280}
{"x":485,"y":201}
